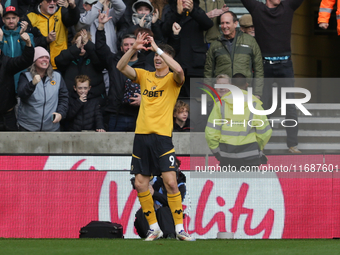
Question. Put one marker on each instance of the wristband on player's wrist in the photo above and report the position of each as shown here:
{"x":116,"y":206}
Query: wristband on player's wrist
{"x":159,"y":51}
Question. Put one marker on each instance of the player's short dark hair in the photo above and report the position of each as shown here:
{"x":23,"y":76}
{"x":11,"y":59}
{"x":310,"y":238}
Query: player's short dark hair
{"x":231,"y":13}
{"x":143,"y":30}
{"x":167,"y":49}
{"x":239,"y":80}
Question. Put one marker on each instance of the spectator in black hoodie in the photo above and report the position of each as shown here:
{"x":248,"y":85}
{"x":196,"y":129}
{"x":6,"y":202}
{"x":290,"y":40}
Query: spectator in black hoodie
{"x":9,"y":67}
{"x":121,"y":109}
{"x":81,"y":58}
{"x":193,"y":22}
{"x":84,"y":110}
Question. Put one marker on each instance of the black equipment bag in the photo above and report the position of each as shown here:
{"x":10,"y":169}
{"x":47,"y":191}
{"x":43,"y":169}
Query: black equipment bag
{"x":101,"y":229}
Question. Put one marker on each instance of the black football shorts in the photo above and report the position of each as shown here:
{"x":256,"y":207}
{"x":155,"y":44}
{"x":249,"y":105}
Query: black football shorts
{"x":152,"y":154}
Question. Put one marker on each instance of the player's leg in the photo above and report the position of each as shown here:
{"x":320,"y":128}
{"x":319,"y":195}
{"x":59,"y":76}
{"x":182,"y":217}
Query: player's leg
{"x":140,"y":167}
{"x":147,"y":203}
{"x":168,"y":168}
{"x":175,"y":204}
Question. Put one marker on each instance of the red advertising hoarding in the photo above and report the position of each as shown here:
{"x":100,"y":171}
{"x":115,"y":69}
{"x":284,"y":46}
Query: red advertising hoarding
{"x":54,"y":196}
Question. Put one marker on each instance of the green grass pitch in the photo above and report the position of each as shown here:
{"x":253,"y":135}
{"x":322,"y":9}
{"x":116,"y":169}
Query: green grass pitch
{"x":167,"y":246}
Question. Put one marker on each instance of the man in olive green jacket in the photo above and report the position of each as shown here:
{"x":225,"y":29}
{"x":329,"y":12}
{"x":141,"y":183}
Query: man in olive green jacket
{"x":235,"y":52}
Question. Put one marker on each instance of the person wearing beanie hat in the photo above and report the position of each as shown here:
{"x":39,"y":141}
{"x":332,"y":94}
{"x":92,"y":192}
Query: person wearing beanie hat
{"x":246,"y":25}
{"x":40,"y":52}
{"x":49,"y":24}
{"x":8,"y":67}
{"x":43,"y":95}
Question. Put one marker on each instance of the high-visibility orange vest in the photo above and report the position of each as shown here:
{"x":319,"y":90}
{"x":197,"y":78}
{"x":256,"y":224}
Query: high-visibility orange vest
{"x":325,"y":10}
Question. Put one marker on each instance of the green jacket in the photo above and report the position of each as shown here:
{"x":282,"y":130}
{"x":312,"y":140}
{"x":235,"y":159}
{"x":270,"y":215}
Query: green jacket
{"x":246,"y":59}
{"x":239,"y":138}
{"x":214,"y":32}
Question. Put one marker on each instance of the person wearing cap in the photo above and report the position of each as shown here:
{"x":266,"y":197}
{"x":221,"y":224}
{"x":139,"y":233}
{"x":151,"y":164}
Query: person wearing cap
{"x":12,"y":45}
{"x":43,"y":94}
{"x":273,"y":24}
{"x":246,"y":25}
{"x":8,"y":67}
{"x":235,"y":52}
{"x":49,"y":22}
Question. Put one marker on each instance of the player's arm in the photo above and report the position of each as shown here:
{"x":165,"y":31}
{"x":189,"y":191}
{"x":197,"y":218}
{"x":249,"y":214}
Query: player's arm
{"x":122,"y":64}
{"x":173,"y":65}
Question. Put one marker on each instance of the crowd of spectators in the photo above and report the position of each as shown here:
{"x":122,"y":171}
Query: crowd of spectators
{"x":209,"y":41}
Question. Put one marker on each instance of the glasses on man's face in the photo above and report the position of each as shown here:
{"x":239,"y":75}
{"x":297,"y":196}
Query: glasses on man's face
{"x":50,"y":1}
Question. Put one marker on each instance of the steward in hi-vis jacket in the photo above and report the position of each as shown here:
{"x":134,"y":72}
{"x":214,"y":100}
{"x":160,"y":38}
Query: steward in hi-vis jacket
{"x":237,"y":140}
{"x":326,"y":7}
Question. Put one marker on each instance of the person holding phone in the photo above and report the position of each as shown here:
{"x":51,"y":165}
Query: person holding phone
{"x":43,"y":94}
{"x":49,"y":22}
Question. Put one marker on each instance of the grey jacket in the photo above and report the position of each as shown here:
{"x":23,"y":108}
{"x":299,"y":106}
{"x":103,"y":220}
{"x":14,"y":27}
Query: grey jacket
{"x":39,"y":102}
{"x":89,"y":21}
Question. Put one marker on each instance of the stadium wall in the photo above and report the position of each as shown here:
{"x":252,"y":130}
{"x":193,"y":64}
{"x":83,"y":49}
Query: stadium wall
{"x":78,"y":142}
